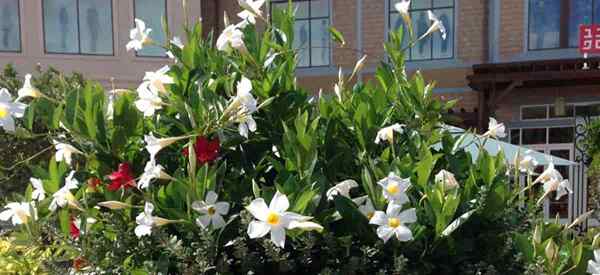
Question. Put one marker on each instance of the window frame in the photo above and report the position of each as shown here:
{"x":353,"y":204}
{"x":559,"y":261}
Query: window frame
{"x":309,"y":19}
{"x":19,"y":29}
{"x":137,"y":54}
{"x":563,"y":35}
{"x":79,"y":52}
{"x":408,"y":58}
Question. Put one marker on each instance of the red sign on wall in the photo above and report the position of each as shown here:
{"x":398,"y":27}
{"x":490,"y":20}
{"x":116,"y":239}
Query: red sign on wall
{"x":589,"y":38}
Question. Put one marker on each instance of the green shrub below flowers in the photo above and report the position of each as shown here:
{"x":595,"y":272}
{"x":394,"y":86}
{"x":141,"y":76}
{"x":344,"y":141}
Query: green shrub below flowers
{"x":220,"y":163}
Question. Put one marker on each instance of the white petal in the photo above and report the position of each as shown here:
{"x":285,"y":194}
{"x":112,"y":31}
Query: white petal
{"x":8,"y":124}
{"x":393,"y":209}
{"x":403,"y":233}
{"x":6,"y":214}
{"x":258,"y":208}
{"x":385,"y":232}
{"x":211,"y":197}
{"x":278,"y":236}
{"x":279,"y":203}
{"x":258,"y":229}
{"x":222,"y":207}
{"x":217,"y":221}
{"x":408,"y":216}
{"x":203,"y":221}
{"x":142,"y":230}
{"x":379,"y":218}
{"x":306,"y":226}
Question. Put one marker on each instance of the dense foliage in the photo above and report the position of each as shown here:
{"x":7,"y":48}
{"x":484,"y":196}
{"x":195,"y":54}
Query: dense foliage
{"x":220,"y":163}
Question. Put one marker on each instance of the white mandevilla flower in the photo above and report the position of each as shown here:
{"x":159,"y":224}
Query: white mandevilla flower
{"x":594,"y":265}
{"x":38,"y":192}
{"x":528,"y":164}
{"x":495,"y":129}
{"x":394,"y":188}
{"x":9,"y":109}
{"x":436,"y":25}
{"x":251,"y":10}
{"x":64,"y":152}
{"x":154,"y":145}
{"x":549,"y":174}
{"x":140,"y":36}
{"x":152,"y":171}
{"x":365,"y":206}
{"x":231,"y":38}
{"x":387,"y":133}
{"x":402,"y":7}
{"x":212,"y":211}
{"x":393,"y":222}
{"x":177,"y":42}
{"x":562,"y":187}
{"x":341,"y":189}
{"x":149,"y":100}
{"x":159,"y":79}
{"x":63,"y":196}
{"x":19,"y":212}
{"x":28,"y":90}
{"x":447,"y":179}
{"x":146,"y":221}
{"x":276,"y":219}
{"x":244,"y":104}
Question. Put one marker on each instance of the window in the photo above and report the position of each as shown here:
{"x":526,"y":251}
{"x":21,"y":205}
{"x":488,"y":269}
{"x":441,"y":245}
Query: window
{"x":78,"y":26}
{"x":547,"y":112}
{"x":10,"y":30}
{"x":311,"y":31}
{"x":152,"y":12}
{"x":432,"y":47}
{"x":555,"y":24}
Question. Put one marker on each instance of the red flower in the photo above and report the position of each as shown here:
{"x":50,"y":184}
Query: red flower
{"x":79,"y":263}
{"x":122,"y":178}
{"x":93,"y":184}
{"x":206,"y":150}
{"x":75,"y":232}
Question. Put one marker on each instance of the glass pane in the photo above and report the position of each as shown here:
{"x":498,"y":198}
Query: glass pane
{"x":596,"y":11}
{"x":581,"y":13}
{"x":561,"y":135}
{"x":421,"y":4}
{"x":533,"y":136}
{"x":544,"y":24}
{"x":152,"y":12}
{"x":319,"y":42}
{"x":422,"y":50}
{"x":10,"y":36}
{"x":301,"y":9}
{"x":443,"y":3}
{"x":96,"y":34}
{"x":301,"y":42}
{"x":444,"y":48}
{"x":60,"y":26}
{"x":535,"y":112}
{"x":567,"y":112}
{"x":319,"y":8}
{"x":515,"y":136}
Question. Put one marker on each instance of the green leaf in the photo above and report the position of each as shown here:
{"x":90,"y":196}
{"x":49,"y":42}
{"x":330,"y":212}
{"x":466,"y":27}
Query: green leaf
{"x":337,"y":36}
{"x":457,"y":223}
{"x":65,"y":220}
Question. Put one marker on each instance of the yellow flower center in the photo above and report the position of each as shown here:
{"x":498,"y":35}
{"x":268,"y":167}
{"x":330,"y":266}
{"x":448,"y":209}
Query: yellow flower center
{"x":392,"y":188}
{"x":3,"y":111}
{"x":273,"y":218}
{"x":370,"y":215}
{"x":394,"y":222}
{"x":211,"y":210}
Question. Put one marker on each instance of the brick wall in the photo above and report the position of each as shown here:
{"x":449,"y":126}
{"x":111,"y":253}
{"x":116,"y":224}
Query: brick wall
{"x":472,"y":30}
{"x":512,"y":18}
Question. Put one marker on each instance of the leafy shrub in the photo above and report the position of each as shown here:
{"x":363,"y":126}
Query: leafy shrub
{"x":30,"y":143}
{"x":174,"y":178}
